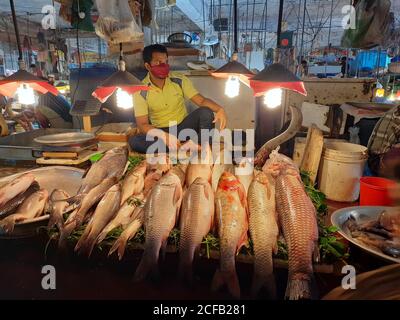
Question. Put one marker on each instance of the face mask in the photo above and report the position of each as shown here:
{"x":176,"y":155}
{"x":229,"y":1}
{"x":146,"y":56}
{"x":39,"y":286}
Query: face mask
{"x":160,"y":71}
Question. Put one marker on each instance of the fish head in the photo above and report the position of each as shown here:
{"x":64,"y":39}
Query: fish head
{"x":228,"y":181}
{"x":43,"y":195}
{"x":59,"y":195}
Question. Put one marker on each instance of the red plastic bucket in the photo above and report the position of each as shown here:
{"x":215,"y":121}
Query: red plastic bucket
{"x":374,"y":191}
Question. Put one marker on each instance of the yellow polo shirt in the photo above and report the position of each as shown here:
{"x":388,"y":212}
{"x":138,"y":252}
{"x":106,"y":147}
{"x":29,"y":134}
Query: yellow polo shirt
{"x":167,"y":104}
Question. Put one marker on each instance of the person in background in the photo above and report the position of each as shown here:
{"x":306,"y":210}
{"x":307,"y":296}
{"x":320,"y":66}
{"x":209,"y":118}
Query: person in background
{"x":384,"y":145}
{"x":303,"y":69}
{"x":343,"y":62}
{"x":53,"y":111}
{"x":164,"y":104}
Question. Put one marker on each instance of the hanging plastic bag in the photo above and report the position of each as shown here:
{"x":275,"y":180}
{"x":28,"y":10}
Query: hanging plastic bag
{"x":371,"y":25}
{"x":116,"y":23}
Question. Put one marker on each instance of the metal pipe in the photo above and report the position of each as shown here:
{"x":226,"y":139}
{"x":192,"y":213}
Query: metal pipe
{"x":298,"y":26}
{"x":279,"y":31}
{"x":329,"y":33}
{"x":302,"y":33}
{"x":235,"y":26}
{"x":20,"y":58}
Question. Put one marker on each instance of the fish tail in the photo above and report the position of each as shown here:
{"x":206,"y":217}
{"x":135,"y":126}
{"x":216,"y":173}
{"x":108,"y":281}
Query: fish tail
{"x":298,"y":287}
{"x":8,"y":224}
{"x":119,"y":246}
{"x":104,"y":234}
{"x":148,"y":266}
{"x":264,"y":281}
{"x":230,"y":279}
{"x":65,"y":232}
{"x":83,"y":241}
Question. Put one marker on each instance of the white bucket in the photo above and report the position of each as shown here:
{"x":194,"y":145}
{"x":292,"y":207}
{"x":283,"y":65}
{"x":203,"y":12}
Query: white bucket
{"x":341,"y":168}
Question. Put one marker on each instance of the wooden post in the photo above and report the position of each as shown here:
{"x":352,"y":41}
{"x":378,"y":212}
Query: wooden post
{"x":312,"y":152}
{"x":87,"y":124}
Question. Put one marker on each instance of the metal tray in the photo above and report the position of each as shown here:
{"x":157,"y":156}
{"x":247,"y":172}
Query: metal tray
{"x":361,"y":215}
{"x":21,"y":146}
{"x":65,"y":139}
{"x":374,"y":105}
{"x":49,"y":178}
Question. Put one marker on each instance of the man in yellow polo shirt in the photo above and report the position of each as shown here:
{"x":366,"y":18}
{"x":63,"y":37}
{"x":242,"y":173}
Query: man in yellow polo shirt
{"x":163,"y":108}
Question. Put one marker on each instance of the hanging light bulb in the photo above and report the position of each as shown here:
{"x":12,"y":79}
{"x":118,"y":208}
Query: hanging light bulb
{"x":25,"y":94}
{"x":273,"y":98}
{"x":232,"y":87}
{"x":124,"y":99}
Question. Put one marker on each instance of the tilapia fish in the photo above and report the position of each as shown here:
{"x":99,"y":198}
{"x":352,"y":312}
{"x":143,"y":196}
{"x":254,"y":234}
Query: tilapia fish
{"x":14,"y":203}
{"x":58,"y":204}
{"x":232,"y":220}
{"x":297,"y":217}
{"x":129,"y":232}
{"x":111,"y":165}
{"x":133,"y":182}
{"x":196,"y":219}
{"x":264,"y":231}
{"x":105,"y":212}
{"x":15,"y":187}
{"x":123,"y":216}
{"x":31,"y":208}
{"x":161,"y":212}
{"x":77,"y":217}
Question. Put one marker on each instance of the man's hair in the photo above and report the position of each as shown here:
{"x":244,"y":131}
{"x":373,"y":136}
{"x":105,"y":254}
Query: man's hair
{"x":149,"y":50}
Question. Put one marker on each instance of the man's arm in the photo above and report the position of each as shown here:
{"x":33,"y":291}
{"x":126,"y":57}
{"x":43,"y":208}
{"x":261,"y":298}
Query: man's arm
{"x":220,"y":115}
{"x":145,"y":127}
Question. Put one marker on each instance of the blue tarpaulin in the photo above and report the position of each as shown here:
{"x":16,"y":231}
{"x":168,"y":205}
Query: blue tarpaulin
{"x":369,"y":60}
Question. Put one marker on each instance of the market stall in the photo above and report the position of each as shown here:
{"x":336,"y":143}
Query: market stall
{"x":269,"y":187}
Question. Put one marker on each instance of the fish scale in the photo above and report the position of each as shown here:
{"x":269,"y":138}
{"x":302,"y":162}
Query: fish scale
{"x":196,"y":219}
{"x":264,"y":231}
{"x":160,"y":211}
{"x":298,"y":220}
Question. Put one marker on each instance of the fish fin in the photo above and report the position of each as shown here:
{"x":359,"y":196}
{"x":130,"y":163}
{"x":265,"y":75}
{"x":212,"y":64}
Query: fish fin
{"x":266,"y":281}
{"x":103,"y":234}
{"x":119,"y":246}
{"x":230,"y":279}
{"x":316,"y":254}
{"x":8,"y":224}
{"x":147,"y":266}
{"x":275,"y":248}
{"x":83,"y":239}
{"x":243,"y":242}
{"x":164,"y":249}
{"x":298,"y":288}
{"x":65,"y":232}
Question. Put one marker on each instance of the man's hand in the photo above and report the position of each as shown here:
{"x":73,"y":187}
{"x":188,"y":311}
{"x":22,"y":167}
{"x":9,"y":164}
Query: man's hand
{"x":220,"y":117}
{"x":171,"y":142}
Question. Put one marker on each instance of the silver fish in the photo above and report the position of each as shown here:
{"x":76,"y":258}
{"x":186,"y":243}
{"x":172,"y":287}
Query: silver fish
{"x":105,"y":211}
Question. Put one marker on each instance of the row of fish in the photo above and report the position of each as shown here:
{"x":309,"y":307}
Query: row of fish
{"x":200,"y":198}
{"x":20,"y":200}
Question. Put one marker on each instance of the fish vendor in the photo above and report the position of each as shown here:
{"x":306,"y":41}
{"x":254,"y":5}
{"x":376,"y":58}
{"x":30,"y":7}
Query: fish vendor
{"x":164,"y":104}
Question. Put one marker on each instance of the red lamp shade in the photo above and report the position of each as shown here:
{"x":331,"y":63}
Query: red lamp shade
{"x":9,"y":85}
{"x":233,"y":68}
{"x":120,"y":79}
{"x":276,"y":76}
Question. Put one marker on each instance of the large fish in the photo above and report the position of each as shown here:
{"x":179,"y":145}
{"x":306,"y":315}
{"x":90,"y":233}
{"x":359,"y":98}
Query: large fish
{"x":105,"y":211}
{"x":129,"y":232}
{"x":161,"y":212}
{"x":196,"y":219}
{"x":58,"y":204}
{"x":264,"y":231}
{"x":232,"y":220}
{"x":31,"y":208}
{"x":15,"y":187}
{"x":298,"y":220}
{"x":77,"y":217}
{"x":14,"y":203}
{"x":111,"y":165}
{"x":133,"y":182}
{"x":200,"y":167}
{"x":123,"y":217}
